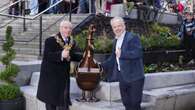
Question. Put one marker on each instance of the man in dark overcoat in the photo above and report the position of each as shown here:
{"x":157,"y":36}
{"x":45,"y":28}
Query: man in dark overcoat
{"x":126,"y":65}
{"x":54,"y":82}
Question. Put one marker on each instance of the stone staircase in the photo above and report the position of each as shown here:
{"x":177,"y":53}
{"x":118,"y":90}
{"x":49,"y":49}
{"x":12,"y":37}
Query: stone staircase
{"x":27,"y":43}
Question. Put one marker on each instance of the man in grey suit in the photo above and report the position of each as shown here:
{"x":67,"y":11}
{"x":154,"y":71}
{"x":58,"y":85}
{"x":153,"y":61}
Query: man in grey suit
{"x":126,"y":65}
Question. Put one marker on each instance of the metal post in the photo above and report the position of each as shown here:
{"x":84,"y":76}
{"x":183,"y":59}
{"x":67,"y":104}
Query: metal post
{"x":70,"y":11}
{"x":90,"y":6}
{"x":22,"y":7}
{"x":40,"y":37}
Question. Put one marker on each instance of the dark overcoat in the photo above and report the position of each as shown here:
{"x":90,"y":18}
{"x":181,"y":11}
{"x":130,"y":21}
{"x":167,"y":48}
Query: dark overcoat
{"x":54,"y":82}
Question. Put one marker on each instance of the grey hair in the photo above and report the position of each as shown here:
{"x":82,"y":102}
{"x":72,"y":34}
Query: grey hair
{"x":67,"y":23}
{"x":119,"y":19}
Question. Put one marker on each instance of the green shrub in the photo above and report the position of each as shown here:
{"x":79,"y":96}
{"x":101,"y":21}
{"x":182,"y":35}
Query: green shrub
{"x":130,"y":6}
{"x":10,"y":71}
{"x":102,"y":44}
{"x":163,"y":67}
{"x":10,"y":55}
{"x":160,"y":38}
{"x":8,"y":92}
{"x":150,"y":68}
{"x":81,"y":40}
{"x":156,"y":29}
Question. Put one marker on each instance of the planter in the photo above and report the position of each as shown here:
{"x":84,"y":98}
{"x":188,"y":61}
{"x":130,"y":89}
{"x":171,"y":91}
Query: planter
{"x":150,"y":57}
{"x":153,"y":57}
{"x":15,"y":104}
{"x":101,"y":57}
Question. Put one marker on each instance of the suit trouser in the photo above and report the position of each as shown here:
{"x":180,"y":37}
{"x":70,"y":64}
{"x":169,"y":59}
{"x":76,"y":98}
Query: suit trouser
{"x":131,"y":94}
{"x":50,"y":107}
{"x":54,"y":107}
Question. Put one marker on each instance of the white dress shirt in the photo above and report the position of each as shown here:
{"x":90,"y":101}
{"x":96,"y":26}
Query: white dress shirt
{"x":65,"y":39}
{"x":119,"y":45}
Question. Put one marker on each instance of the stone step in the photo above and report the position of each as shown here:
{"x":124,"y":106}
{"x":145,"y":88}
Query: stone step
{"x":25,"y":51}
{"x":31,"y":33}
{"x":34,"y":29}
{"x":26,"y":57}
{"x":48,"y":19}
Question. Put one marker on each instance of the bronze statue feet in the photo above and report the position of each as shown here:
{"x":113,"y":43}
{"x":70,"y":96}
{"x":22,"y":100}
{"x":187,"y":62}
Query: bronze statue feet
{"x":81,"y":99}
{"x":93,"y":99}
{"x":88,"y":98}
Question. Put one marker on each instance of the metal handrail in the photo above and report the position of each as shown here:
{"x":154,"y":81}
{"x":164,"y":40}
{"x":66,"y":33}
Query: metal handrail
{"x":36,"y":16}
{"x":30,"y":18}
{"x":33,"y":17}
{"x":4,"y":5}
{"x":11,"y":5}
{"x":50,"y":26}
{"x":46,"y":28}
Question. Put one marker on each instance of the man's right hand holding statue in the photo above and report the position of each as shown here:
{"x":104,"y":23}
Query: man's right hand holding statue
{"x":66,"y":54}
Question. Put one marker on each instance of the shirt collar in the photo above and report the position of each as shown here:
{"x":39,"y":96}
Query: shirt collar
{"x":121,"y":37}
{"x":63,"y":37}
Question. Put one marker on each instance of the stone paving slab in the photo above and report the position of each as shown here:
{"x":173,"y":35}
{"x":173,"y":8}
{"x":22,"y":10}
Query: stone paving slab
{"x":102,"y":105}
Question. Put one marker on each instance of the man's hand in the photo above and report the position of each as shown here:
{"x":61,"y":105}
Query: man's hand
{"x":189,"y":33}
{"x":118,"y":52}
{"x":66,"y":54}
{"x":73,"y":1}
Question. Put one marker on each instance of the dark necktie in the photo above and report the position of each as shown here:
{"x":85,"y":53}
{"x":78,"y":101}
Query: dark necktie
{"x":66,"y":41}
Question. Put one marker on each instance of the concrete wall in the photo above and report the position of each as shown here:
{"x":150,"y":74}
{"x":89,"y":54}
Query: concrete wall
{"x":162,"y":91}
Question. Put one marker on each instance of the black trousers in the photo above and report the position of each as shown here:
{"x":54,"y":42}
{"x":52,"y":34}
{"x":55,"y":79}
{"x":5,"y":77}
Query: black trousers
{"x":131,"y":94}
{"x":50,"y":107}
{"x":188,"y":43}
{"x":54,"y":107}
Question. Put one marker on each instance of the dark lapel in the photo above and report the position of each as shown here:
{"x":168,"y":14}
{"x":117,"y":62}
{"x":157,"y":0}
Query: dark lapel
{"x":124,"y":40}
{"x":127,"y":37}
{"x":114,"y":44}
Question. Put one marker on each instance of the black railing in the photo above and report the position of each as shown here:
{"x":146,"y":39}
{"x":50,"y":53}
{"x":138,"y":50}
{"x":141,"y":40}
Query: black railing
{"x":10,"y":5}
{"x":24,"y":17}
